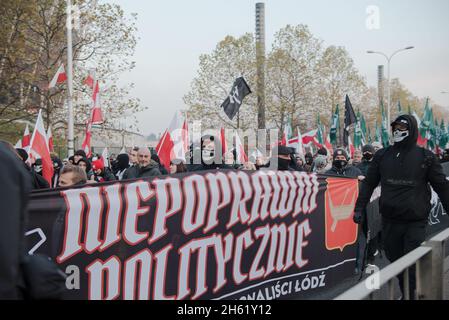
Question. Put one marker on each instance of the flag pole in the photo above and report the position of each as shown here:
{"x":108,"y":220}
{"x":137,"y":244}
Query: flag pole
{"x":70,"y":124}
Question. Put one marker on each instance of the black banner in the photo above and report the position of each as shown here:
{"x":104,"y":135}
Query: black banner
{"x":211,"y":235}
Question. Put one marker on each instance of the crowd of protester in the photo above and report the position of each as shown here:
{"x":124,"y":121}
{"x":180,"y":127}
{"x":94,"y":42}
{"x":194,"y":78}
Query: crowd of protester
{"x":142,"y":162}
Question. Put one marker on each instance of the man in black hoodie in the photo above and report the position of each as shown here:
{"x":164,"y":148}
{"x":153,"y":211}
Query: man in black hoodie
{"x":210,"y":156}
{"x":404,"y":171}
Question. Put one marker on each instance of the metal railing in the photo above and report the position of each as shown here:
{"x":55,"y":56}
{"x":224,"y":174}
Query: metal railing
{"x":430,"y":261}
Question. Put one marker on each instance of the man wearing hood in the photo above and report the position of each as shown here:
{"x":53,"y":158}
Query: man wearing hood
{"x":37,"y":180}
{"x":404,"y":171}
{"x":211,"y":156}
{"x":281,"y":159}
{"x":340,"y":166}
{"x":122,"y":165}
{"x":367,"y":157}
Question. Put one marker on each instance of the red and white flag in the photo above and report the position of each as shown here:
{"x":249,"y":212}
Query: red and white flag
{"x":297,"y":144}
{"x":328,"y":144}
{"x":86,"y":143}
{"x":91,"y":79}
{"x":311,"y":138}
{"x":174,"y":142}
{"x":223,"y":142}
{"x":60,"y":77}
{"x":97,"y":116}
{"x":26,"y":138}
{"x":241,"y":156}
{"x":18,"y":144}
{"x":39,"y":148}
{"x":50,"y":140}
{"x":351,"y":147}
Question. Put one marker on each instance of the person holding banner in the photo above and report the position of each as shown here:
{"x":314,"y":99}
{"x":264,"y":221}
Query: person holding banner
{"x":404,"y":172}
{"x":340,"y":166}
{"x":15,"y":187}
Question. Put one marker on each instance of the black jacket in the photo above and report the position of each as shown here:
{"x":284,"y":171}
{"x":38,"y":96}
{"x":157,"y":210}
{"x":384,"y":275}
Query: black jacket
{"x":363,"y":166}
{"x":150,"y":170}
{"x":107,"y":175}
{"x":404,"y":171}
{"x":14,"y":189}
{"x":131,"y":173}
{"x":348,"y":171}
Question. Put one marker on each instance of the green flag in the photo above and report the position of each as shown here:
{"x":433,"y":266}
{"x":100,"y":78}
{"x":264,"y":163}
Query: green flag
{"x":358,"y":132}
{"x":320,"y":134}
{"x":335,"y":126}
{"x":377,"y":133}
{"x":384,"y":130}
{"x":424,"y":128}
{"x":364,"y":130}
{"x":369,"y":139}
{"x":399,"y":107}
{"x":442,"y":141}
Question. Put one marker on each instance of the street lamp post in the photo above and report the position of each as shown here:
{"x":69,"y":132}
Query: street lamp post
{"x":388,"y":71}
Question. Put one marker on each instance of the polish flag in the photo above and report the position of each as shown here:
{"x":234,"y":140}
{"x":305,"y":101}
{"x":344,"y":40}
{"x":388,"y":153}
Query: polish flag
{"x":97,"y":116}
{"x":223,"y":142}
{"x":50,"y":140}
{"x":26,"y":137}
{"x":174,"y":141}
{"x":86,"y":143}
{"x":39,"y":148}
{"x":91,"y":79}
{"x":241,"y":156}
{"x":60,"y":77}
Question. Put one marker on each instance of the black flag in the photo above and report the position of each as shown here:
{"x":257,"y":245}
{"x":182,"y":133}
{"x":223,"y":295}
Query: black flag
{"x":350,"y":119}
{"x":239,"y":90}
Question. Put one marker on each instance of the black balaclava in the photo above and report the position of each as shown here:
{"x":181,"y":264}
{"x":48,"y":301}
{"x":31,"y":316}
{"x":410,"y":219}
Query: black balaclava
{"x":368,"y":152}
{"x":122,"y":161}
{"x":412,"y":138}
{"x":340,"y":164}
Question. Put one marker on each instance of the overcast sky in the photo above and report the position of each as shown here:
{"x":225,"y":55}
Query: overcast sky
{"x":173,"y":33}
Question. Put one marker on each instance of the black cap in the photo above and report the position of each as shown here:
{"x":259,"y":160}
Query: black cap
{"x":368,"y":148}
{"x":339,"y":152}
{"x":401,"y":120}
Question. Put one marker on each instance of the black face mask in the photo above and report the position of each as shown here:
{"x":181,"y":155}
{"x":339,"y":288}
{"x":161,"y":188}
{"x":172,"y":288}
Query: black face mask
{"x":340,"y":164}
{"x":283,"y":164}
{"x":367,"y":156}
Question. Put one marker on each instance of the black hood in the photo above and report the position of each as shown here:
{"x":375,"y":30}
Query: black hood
{"x":413,"y":129}
{"x":123,"y":161}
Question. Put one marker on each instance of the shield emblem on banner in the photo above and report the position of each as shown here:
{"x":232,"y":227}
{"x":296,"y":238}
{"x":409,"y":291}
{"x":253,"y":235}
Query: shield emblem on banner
{"x":340,"y":198}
